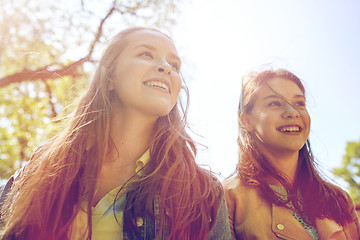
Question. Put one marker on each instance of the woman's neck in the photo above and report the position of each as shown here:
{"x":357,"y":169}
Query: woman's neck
{"x":130,"y":138}
{"x":285,"y":163}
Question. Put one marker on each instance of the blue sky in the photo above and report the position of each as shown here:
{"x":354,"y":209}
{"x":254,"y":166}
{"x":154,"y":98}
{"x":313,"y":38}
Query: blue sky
{"x":318,"y":40}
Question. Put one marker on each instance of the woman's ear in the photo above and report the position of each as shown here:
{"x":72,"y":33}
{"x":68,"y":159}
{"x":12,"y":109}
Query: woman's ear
{"x":245,"y":121}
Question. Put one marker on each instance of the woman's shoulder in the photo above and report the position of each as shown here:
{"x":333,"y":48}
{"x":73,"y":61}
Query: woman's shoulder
{"x":235,"y":184}
{"x":208,"y":181}
{"x":340,"y":191}
{"x":236,"y":190}
{"x":347,"y":197}
{"x":206,"y":176}
{"x":231,"y":183}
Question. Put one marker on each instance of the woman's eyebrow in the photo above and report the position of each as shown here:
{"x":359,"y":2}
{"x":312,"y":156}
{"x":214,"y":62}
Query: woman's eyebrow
{"x":272,"y":96}
{"x":172,"y":55}
{"x":144,"y":46}
{"x":299,"y":96}
{"x":278,"y":96}
{"x":175,"y":57}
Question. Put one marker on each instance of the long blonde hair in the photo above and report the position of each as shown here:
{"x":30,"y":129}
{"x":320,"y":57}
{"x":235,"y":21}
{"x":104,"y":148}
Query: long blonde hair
{"x":62,"y":173}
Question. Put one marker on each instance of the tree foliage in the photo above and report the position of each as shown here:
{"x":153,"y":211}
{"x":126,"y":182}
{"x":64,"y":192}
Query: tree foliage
{"x":47,"y":52}
{"x":350,"y":170}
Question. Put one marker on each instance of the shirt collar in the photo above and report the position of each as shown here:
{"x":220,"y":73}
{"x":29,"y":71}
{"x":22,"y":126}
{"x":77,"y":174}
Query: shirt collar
{"x":141,"y":162}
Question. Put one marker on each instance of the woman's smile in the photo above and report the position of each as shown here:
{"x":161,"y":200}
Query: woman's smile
{"x":160,"y":84}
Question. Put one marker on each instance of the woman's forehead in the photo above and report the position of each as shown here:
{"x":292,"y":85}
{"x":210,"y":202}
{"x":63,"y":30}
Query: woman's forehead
{"x":150,"y":38}
{"x":281,"y":87}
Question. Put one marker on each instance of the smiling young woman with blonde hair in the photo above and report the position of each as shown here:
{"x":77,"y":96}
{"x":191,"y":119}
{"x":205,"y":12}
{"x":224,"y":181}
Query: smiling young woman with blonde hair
{"x":123,"y":167}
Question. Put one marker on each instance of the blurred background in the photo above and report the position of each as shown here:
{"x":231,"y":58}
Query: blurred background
{"x":49,"y":50}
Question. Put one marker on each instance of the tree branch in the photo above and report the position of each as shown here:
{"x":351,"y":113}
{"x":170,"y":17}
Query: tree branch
{"x":69,"y":70}
{"x":43,"y":73}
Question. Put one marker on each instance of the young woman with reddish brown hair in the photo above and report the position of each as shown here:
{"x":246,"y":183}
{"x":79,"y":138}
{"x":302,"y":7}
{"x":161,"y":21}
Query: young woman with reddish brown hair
{"x":123,"y":167}
{"x":278,"y":193}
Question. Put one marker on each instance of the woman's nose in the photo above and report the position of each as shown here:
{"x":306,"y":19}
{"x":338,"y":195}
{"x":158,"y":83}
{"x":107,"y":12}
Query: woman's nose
{"x":290,"y":112}
{"x":163,"y":68}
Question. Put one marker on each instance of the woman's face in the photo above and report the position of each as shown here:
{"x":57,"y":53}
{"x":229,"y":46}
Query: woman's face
{"x":146,"y":78}
{"x":279,"y":120}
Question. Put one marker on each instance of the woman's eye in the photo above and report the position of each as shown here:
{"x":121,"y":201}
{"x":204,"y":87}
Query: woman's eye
{"x":300,"y":104}
{"x":175,"y":66}
{"x":147,"y":54}
{"x":274,"y":103}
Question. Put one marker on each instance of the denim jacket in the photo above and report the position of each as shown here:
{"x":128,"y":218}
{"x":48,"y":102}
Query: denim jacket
{"x":220,"y":231}
{"x":147,"y":226}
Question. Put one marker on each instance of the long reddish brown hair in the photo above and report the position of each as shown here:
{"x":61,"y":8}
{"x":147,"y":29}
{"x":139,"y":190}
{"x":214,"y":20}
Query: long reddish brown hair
{"x":319,"y":198}
{"x":62,"y":173}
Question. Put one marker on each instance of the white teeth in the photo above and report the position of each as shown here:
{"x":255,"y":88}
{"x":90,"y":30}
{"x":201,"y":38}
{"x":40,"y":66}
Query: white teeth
{"x":290,"y":129}
{"x":157,"y":84}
